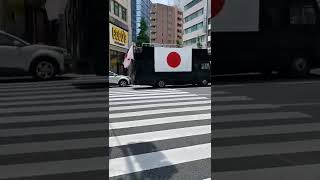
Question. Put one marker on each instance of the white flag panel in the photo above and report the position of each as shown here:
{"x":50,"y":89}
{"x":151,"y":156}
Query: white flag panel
{"x":172,"y":59}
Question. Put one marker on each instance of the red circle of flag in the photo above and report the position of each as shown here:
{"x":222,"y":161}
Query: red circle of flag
{"x":173,"y":59}
{"x":217,"y":6}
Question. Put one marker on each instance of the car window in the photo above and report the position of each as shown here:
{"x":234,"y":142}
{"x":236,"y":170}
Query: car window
{"x":6,"y":41}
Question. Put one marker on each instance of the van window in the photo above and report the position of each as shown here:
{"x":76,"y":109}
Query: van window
{"x":205,"y":66}
{"x":302,"y":14}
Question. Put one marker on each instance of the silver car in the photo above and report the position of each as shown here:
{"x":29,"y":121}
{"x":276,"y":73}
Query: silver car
{"x":115,"y":79}
{"x":42,"y":61}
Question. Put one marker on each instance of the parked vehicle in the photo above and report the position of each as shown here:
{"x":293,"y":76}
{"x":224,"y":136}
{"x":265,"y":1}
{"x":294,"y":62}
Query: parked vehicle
{"x":161,"y":66}
{"x":120,"y":80}
{"x":265,"y":36}
{"x":20,"y":57}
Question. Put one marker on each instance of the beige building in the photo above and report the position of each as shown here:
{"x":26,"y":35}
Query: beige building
{"x":166,"y":24}
{"x":120,"y":37}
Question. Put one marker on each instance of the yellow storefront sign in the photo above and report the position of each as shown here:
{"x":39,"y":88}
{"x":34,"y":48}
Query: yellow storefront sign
{"x":118,"y":36}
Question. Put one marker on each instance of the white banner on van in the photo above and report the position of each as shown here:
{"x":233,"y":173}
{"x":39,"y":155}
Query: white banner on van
{"x":172,"y":59}
{"x":236,"y":16}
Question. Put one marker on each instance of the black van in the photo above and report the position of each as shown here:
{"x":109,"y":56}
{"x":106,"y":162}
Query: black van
{"x":267,"y":35}
{"x":142,"y":70}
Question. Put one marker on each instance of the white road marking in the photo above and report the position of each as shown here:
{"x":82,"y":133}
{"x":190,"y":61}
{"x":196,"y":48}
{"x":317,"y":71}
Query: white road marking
{"x":54,"y":167}
{"x":268,"y":130}
{"x":33,"y":147}
{"x":152,"y":97}
{"x":156,"y":100}
{"x":158,"y":111}
{"x":260,"y":116}
{"x":146,"y":95}
{"x":137,"y":163}
{"x":157,"y":121}
{"x":159,"y":105}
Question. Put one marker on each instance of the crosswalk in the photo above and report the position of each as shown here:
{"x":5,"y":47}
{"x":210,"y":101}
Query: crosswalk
{"x":262,"y":141}
{"x":159,"y":134}
{"x":54,"y":129}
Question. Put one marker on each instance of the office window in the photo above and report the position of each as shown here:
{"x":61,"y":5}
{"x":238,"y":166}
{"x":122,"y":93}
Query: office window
{"x":124,"y":14}
{"x":194,"y":15}
{"x":116,"y":9}
{"x":191,"y":4}
{"x":193,"y":28}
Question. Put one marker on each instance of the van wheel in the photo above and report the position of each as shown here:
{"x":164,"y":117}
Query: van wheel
{"x":44,"y":70}
{"x":123,"y":83}
{"x":299,"y":66}
{"x":204,"y":82}
{"x":161,"y":84}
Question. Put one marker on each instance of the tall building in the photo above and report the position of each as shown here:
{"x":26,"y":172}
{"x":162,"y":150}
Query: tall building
{"x":119,"y":33}
{"x":195,"y":17}
{"x":139,"y":9}
{"x":166,"y":24}
{"x":209,"y":27}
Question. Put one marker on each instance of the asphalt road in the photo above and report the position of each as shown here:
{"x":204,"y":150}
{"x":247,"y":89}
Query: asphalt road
{"x":53,"y":130}
{"x":272,"y":131}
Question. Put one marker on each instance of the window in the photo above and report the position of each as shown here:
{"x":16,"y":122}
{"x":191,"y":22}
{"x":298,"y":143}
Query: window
{"x":6,"y":41}
{"x":205,"y":66}
{"x":194,"y":15}
{"x":116,"y":9}
{"x":302,"y":15}
{"x":191,"y":4}
{"x":124,"y":14}
{"x":193,"y":28}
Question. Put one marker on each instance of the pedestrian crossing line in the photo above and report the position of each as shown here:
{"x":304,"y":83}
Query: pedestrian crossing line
{"x":266,"y":149}
{"x":45,"y":92}
{"x":53,"y":168}
{"x":61,"y":96}
{"x":158,"y":121}
{"x":158,"y":135}
{"x":51,"y":101}
{"x":208,"y":179}
{"x":144,"y":91}
{"x":51,"y":130}
{"x":159,"y":105}
{"x":243,"y":107}
{"x":260,"y":116}
{"x":51,"y":108}
{"x":141,"y":93}
{"x":50,"y":146}
{"x":158,"y":111}
{"x":268,"y":130}
{"x":310,"y":172}
{"x":151,"y":97}
{"x":146,"y":95}
{"x":138,"y":163}
{"x":156,"y":101}
{"x":231,"y":98}
{"x":52,"y":117}
{"x":68,"y":83}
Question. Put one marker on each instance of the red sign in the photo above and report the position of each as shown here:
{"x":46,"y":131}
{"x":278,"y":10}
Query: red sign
{"x":216,"y":7}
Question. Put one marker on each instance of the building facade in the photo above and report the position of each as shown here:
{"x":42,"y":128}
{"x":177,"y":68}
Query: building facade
{"x":166,"y":24}
{"x":139,"y":9}
{"x":195,"y":26}
{"x":119,"y":34}
{"x":209,"y":27}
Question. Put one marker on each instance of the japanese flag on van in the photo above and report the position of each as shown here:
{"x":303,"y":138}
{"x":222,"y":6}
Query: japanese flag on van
{"x":172,"y":59}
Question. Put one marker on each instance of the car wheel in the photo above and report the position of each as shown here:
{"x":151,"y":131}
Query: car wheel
{"x":123,"y":83}
{"x":161,"y":84}
{"x":300,"y":66}
{"x":44,"y":70}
